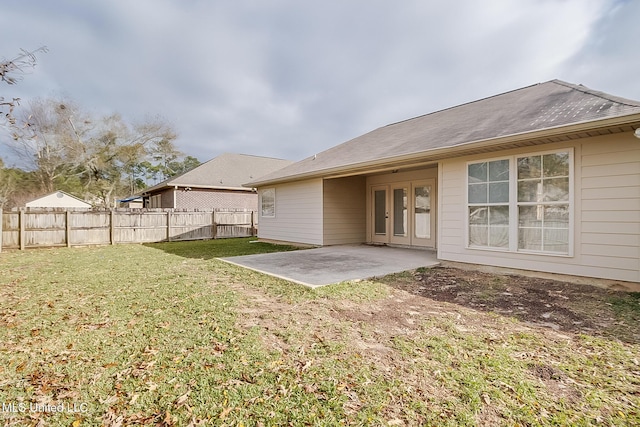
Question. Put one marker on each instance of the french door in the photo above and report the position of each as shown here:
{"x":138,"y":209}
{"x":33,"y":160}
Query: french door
{"x":380,"y":214}
{"x":403,"y":213}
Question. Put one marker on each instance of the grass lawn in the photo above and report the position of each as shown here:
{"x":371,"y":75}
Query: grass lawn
{"x":165,"y":334}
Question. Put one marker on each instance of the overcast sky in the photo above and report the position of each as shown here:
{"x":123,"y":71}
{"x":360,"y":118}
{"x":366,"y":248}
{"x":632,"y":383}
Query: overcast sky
{"x":290,"y":78}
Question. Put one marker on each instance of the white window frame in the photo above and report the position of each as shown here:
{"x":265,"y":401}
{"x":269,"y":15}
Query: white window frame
{"x":489,"y":204}
{"x":514,"y":204}
{"x":262,"y":204}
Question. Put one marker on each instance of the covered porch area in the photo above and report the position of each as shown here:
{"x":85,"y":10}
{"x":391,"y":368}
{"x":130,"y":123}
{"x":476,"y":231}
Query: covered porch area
{"x":396,"y":207}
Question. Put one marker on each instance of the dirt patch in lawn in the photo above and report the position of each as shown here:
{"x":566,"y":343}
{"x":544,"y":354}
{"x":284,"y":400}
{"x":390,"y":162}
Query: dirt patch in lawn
{"x":540,"y":302}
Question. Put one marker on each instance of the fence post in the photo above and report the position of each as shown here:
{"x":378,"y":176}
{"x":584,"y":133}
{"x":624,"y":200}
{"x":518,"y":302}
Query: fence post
{"x":253,"y":224}
{"x":21,"y":228}
{"x":168,"y":226}
{"x":111,"y":227}
{"x":67,"y":227}
{"x":214,"y":226}
{"x":1,"y":220}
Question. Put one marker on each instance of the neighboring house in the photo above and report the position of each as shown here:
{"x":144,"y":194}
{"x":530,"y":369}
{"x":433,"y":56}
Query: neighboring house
{"x":216,"y":184}
{"x":543,"y":178}
{"x":59,"y":199}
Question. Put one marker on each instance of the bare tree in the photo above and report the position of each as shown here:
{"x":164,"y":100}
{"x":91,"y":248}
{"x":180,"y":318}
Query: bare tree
{"x":11,"y":72}
{"x":50,"y":144}
{"x":118,"y":149}
{"x":95,"y":157}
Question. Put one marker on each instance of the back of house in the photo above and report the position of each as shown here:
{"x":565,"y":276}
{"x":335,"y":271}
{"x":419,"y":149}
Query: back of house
{"x":543,"y":178}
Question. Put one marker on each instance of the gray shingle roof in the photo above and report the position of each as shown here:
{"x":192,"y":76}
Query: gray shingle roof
{"x":549,"y":105}
{"x":227,"y":171}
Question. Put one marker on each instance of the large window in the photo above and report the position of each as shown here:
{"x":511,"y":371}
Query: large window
{"x":521,"y":203}
{"x":543,"y":203}
{"x":268,"y":202}
{"x":488,"y":195}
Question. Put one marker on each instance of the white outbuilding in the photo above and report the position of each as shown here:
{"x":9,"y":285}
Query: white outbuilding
{"x":59,"y":199}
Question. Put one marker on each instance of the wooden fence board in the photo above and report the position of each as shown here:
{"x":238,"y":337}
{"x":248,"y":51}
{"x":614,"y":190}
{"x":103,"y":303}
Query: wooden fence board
{"x":10,"y":221}
{"x":226,"y":231}
{"x":190,"y":233}
{"x":46,"y":228}
{"x":44,"y":238}
{"x":10,"y":227}
{"x":228,"y":218}
{"x":89,"y":220}
{"x":44,"y":220}
{"x":139,"y":235}
{"x":82,"y":237}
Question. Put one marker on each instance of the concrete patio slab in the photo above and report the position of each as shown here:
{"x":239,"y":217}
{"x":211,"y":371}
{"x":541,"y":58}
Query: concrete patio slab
{"x":335,"y":264}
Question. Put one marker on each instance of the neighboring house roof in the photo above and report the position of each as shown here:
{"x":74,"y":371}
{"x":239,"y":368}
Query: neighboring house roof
{"x":534,"y":114}
{"x":227,"y":171}
{"x":130,"y":199}
{"x":57,"y":199}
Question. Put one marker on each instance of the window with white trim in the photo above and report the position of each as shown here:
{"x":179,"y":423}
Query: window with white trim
{"x":521,"y":203}
{"x":543,"y":203}
{"x":268,"y":203}
{"x":488,"y":196}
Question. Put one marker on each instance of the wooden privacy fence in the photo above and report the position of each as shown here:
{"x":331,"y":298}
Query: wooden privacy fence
{"x":58,"y":227}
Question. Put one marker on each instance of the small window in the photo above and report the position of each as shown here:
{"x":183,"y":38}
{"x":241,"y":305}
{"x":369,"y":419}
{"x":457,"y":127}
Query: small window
{"x":155,"y":201}
{"x":268,"y":203}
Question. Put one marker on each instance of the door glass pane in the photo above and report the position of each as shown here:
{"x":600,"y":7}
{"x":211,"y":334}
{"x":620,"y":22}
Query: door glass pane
{"x":400,"y":212}
{"x":422,"y":212}
{"x":380,"y":205}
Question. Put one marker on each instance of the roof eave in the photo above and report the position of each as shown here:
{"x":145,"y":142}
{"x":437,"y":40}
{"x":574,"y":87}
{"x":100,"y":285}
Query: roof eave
{"x":195,"y":186}
{"x":460,"y":149}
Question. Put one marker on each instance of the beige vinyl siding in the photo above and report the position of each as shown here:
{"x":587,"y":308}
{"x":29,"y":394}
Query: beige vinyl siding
{"x":452,"y":207}
{"x":344,"y":210}
{"x":298,"y":216}
{"x":606,"y":212}
{"x":610,"y":193}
